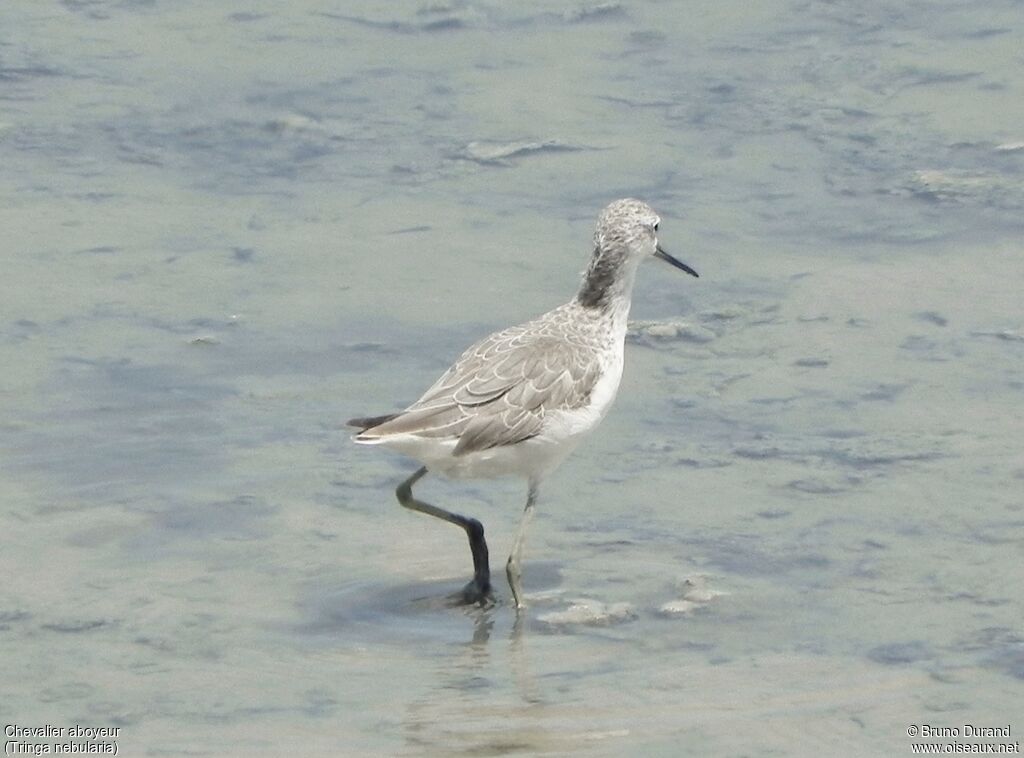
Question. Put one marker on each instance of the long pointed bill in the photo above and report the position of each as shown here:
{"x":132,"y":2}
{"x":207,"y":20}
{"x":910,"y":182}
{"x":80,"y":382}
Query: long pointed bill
{"x":659,"y":253}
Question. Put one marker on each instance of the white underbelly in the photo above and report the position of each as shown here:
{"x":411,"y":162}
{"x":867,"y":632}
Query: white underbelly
{"x":531,"y":459}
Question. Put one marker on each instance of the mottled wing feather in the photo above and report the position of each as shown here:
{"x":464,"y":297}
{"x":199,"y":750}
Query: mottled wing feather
{"x":434,"y":421}
{"x":461,"y":371}
{"x":499,"y":391}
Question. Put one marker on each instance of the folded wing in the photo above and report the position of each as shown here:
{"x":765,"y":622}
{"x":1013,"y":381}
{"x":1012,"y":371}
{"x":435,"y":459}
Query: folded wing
{"x":498,"y":392}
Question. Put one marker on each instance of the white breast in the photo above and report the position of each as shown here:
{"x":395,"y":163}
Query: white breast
{"x":582,"y":420}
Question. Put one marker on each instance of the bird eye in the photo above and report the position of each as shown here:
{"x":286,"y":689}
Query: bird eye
{"x":656,"y":225}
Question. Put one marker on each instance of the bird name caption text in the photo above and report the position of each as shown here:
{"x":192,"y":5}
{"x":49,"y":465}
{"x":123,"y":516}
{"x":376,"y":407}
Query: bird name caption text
{"x":60,"y":740}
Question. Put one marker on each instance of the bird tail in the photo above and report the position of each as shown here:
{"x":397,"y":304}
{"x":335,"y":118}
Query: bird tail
{"x":366,"y":423}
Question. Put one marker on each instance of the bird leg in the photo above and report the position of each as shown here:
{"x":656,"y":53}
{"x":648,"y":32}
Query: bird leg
{"x":512,"y":568}
{"x":479,"y":589}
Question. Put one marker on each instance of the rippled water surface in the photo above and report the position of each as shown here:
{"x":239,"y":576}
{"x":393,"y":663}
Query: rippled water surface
{"x":227,"y":227}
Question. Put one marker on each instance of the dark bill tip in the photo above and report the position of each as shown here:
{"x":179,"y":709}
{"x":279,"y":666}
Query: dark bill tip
{"x":659,"y":253}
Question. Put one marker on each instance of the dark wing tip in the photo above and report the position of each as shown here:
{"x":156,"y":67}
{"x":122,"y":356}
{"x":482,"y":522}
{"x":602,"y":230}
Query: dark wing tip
{"x":368,"y":422}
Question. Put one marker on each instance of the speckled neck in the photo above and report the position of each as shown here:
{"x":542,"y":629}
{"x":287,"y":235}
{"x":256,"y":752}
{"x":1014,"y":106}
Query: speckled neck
{"x":608,"y":281}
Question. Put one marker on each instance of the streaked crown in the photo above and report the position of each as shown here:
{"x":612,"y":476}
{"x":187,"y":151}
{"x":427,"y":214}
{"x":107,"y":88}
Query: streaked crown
{"x":628,"y":224}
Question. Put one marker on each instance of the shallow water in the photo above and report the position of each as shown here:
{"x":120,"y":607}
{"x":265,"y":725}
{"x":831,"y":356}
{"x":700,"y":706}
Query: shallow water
{"x":225,"y":228}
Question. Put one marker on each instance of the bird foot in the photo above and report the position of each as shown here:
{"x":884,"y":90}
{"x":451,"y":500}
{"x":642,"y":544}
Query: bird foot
{"x":476,"y":592}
